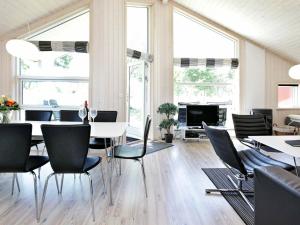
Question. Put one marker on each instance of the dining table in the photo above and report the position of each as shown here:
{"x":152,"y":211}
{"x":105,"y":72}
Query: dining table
{"x":111,"y":130}
{"x":279,"y":143}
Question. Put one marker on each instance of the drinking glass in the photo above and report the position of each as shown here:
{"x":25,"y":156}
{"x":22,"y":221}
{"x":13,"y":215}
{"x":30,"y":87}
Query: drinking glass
{"x":93,"y":113}
{"x":82,"y":113}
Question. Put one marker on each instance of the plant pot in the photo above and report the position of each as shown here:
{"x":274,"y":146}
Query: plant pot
{"x":5,"y":116}
{"x":168,"y":138}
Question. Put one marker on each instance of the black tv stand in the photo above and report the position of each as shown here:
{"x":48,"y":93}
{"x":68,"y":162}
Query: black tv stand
{"x":189,"y":133}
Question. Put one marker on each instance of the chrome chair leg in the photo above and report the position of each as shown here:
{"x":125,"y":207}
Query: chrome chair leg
{"x":91,"y":195}
{"x":103,"y":180}
{"x":44,"y":193}
{"x":15,"y":177}
{"x":13,"y":184}
{"x":56,"y":181}
{"x":296,"y":168}
{"x":35,"y":196}
{"x":39,"y":172}
{"x":240,"y":191}
{"x":43,"y":151}
{"x":120,"y":167}
{"x":17,"y":181}
{"x":237,"y":189}
{"x":37,"y":149}
{"x":144,"y":177}
{"x":61,"y":183}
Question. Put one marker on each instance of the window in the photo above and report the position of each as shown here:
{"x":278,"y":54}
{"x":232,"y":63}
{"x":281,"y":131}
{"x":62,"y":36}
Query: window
{"x":59,"y":78}
{"x":137,"y":28}
{"x":202,"y":84}
{"x":137,"y":69}
{"x":288,"y":96}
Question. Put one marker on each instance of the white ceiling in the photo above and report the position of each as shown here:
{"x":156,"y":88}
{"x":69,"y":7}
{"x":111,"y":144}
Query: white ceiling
{"x":18,"y":13}
{"x":274,"y":24}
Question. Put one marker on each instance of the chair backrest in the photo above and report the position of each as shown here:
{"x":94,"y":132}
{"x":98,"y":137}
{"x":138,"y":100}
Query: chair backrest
{"x":38,"y":115}
{"x":224,"y":148}
{"x":146,"y":133}
{"x":14,"y":146}
{"x":277,"y":196}
{"x":106,"y":116}
{"x":249,"y":125}
{"x":268,"y":115}
{"x":67,"y":146}
{"x":69,"y":116}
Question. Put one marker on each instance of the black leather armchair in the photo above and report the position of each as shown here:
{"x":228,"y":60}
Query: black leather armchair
{"x":277,"y":197}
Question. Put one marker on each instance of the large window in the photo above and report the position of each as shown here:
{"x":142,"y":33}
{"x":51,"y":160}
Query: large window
{"x":203,"y":84}
{"x":58,"y":78}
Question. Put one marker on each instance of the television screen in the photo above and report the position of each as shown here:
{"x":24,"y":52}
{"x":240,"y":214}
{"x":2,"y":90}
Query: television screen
{"x":195,"y":114}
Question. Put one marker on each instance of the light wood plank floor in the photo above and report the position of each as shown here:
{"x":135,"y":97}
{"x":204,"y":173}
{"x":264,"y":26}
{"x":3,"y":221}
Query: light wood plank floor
{"x":176,"y":195}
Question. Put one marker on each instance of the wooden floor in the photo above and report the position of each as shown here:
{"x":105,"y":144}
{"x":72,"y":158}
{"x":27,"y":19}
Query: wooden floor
{"x":176,"y":194}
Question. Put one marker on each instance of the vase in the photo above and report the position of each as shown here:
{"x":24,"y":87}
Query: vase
{"x":5,"y":116}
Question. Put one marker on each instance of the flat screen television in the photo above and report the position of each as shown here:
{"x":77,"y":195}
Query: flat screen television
{"x":195,"y":114}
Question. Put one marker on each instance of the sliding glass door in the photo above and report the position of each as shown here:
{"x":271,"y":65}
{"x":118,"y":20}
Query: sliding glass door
{"x":137,"y":70}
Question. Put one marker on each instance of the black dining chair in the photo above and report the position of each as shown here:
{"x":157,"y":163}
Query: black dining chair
{"x":103,"y":143}
{"x":69,"y":116}
{"x":249,"y":125}
{"x":67,"y":147}
{"x":252,"y":125}
{"x":241,"y":164}
{"x":15,"y":144}
{"x":136,"y":153}
{"x":37,"y":115}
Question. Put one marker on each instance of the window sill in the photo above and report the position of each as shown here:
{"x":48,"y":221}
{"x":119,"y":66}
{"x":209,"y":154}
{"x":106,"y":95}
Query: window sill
{"x":295,"y":108}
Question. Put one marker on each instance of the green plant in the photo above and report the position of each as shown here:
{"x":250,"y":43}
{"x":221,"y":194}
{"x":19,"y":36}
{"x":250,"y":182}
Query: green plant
{"x":63,"y":61}
{"x":169,"y":110}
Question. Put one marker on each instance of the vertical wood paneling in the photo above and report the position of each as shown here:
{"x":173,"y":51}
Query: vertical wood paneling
{"x":7,"y":81}
{"x":107,"y":55}
{"x":162,"y":76}
{"x":277,"y":72}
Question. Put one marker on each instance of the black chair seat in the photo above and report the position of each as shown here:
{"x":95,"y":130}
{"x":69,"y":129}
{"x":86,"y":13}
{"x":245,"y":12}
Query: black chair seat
{"x":36,"y":161}
{"x":253,"y":159}
{"x":99,"y":143}
{"x":128,"y":152}
{"x":91,"y":162}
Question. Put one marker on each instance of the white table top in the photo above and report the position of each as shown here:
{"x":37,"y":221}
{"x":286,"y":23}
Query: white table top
{"x":98,"y":129}
{"x":277,"y":142}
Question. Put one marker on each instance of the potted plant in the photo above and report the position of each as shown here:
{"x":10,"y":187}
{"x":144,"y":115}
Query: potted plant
{"x":169,"y":110}
{"x":6,"y":106}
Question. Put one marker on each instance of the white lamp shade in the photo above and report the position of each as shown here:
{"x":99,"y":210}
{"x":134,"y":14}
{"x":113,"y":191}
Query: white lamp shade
{"x":294,"y":72}
{"x":23,"y":49}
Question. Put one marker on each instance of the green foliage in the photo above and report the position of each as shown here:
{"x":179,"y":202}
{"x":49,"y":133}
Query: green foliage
{"x":167,"y":124}
{"x":24,"y":65}
{"x":203,"y":79}
{"x":63,"y":61}
{"x":169,"y":110}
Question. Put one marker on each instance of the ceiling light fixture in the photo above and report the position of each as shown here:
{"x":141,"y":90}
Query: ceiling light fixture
{"x":23,"y":49}
{"x":294,"y":72}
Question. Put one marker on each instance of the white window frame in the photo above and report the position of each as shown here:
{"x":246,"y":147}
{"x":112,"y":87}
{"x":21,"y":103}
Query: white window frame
{"x":20,"y":78}
{"x":235,"y":83}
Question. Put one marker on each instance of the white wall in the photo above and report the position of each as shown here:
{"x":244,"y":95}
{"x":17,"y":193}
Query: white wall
{"x":7,"y":80}
{"x":162,"y":68}
{"x":253,"y":77}
{"x":108,"y":55}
